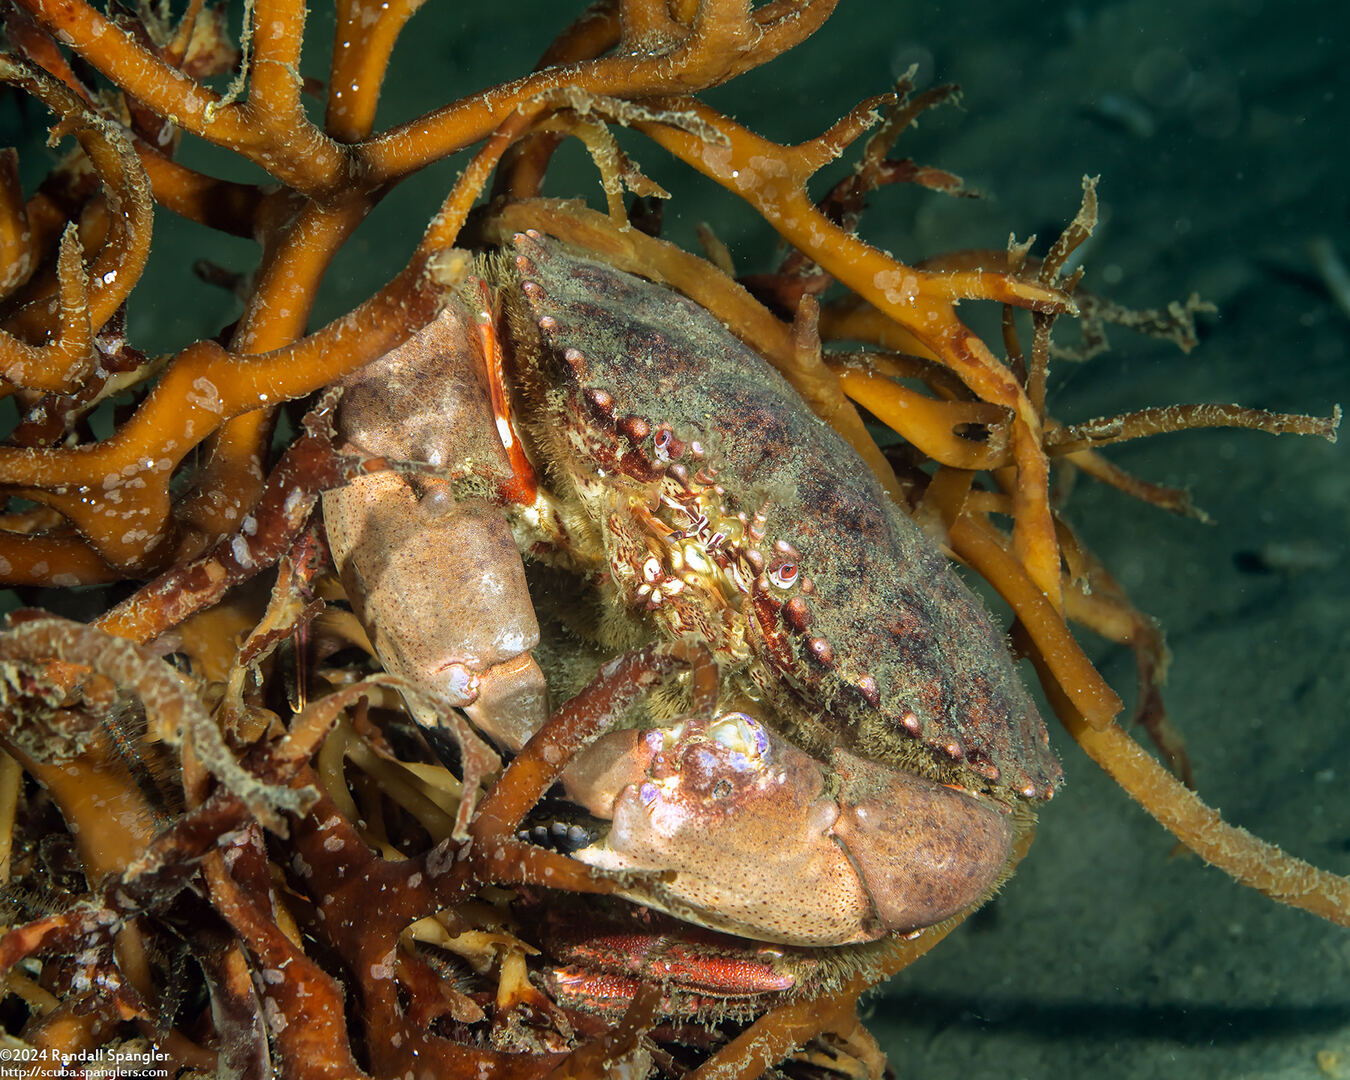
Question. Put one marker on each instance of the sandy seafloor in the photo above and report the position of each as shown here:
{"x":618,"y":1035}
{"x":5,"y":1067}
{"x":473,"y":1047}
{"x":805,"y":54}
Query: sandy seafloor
{"x":1219,"y":132}
{"x":1105,"y":957}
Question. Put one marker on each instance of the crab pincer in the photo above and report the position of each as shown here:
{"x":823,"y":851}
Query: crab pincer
{"x":435,"y":576}
{"x":767,"y":843}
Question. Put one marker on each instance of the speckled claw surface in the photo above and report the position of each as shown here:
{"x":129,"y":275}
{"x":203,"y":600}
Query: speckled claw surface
{"x":437,"y":580}
{"x":734,"y":515}
{"x":768,"y":844}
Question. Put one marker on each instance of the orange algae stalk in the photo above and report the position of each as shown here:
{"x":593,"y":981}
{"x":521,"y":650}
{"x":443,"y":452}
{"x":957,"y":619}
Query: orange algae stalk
{"x":105,"y":510}
{"x":1036,"y":555}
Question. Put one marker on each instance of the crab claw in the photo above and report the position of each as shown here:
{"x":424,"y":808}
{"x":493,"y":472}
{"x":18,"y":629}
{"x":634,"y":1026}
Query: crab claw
{"x":435,"y":580}
{"x":769,"y":844}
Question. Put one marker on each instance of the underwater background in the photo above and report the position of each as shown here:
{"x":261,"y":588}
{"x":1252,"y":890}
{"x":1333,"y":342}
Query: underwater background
{"x":1220,"y":132}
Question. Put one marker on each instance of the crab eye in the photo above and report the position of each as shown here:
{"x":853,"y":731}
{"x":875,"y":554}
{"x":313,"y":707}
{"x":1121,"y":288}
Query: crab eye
{"x":662,"y":442}
{"x":784,"y":575}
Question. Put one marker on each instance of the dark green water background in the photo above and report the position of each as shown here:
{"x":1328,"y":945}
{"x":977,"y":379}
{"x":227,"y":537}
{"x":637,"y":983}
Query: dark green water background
{"x":1219,"y":130}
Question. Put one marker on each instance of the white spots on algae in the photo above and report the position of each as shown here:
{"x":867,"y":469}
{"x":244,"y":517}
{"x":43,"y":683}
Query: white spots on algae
{"x":239,"y":549}
{"x":384,"y":968}
{"x":765,"y":167}
{"x":718,"y":159}
{"x":276,"y":1019}
{"x":205,"y":395}
{"x":898,"y":286}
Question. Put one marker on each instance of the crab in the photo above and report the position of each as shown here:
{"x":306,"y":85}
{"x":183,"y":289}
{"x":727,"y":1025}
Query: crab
{"x":872,"y":754}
